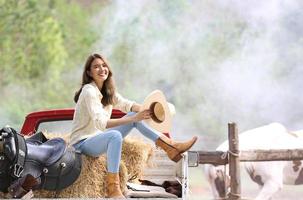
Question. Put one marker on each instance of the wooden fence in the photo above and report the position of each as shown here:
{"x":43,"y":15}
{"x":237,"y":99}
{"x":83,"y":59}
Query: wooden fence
{"x":234,"y":156}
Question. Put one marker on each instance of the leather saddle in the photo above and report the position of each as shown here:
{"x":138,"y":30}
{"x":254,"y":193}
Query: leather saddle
{"x":44,"y":164}
{"x":42,"y":153}
{"x":52,"y":162}
{"x":46,"y":153}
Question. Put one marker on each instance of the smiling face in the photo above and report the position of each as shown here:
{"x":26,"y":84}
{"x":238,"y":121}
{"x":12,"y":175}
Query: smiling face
{"x":98,"y":70}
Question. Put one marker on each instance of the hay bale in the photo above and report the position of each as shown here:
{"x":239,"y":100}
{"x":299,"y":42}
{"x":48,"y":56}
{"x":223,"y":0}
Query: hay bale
{"x":136,"y":155}
{"x":4,"y":195}
{"x":91,"y":182}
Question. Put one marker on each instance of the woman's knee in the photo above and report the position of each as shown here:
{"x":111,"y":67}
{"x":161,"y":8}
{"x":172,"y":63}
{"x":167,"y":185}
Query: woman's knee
{"x":116,"y":135}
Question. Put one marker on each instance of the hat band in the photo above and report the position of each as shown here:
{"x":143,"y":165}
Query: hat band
{"x":157,"y":112}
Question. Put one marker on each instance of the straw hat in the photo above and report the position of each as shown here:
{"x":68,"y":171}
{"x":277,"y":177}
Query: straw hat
{"x":162,"y":111}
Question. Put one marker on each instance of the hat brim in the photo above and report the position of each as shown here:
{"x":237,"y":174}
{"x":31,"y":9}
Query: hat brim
{"x":157,"y":96}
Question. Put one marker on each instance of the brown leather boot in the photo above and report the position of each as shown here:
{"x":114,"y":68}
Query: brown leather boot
{"x":174,"y":149}
{"x":113,"y":186}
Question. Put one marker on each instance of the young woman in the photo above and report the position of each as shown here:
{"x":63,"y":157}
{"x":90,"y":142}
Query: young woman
{"x":95,"y":133}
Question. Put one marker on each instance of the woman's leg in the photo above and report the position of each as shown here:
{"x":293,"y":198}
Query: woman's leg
{"x":109,"y":141}
{"x":172,"y":148}
{"x":140,"y":126}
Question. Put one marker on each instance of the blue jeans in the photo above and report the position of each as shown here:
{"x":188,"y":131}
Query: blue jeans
{"x":110,"y":141}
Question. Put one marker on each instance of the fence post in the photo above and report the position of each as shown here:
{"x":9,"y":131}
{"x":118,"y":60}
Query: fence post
{"x":234,"y":162}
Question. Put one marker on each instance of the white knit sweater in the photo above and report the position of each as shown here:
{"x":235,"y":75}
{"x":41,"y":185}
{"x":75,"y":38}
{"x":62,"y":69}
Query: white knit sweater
{"x":91,"y":116}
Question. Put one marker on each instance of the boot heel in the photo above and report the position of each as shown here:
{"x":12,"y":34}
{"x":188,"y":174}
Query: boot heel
{"x":177,"y":158}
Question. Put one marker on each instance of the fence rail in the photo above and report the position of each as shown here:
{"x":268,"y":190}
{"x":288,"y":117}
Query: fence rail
{"x":234,"y":156}
{"x":221,"y":158}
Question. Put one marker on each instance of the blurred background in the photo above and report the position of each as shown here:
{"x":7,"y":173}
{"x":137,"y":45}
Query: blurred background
{"x":217,"y":61}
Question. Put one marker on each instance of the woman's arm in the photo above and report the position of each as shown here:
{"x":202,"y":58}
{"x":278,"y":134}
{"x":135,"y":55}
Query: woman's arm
{"x":135,"y":107}
{"x":145,"y":114}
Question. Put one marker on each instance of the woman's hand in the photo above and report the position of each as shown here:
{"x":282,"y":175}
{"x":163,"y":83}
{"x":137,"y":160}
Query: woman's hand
{"x":144,"y":114}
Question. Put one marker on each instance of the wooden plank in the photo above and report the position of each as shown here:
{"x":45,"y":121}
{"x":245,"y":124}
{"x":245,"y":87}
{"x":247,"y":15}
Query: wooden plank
{"x":160,"y":172}
{"x":163,"y":163}
{"x":162,"y":168}
{"x":213,"y":157}
{"x":271,"y":155}
{"x":234,"y":163}
{"x":220,"y":158}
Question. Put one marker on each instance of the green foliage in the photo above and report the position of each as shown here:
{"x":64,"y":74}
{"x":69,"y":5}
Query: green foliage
{"x":41,"y":42}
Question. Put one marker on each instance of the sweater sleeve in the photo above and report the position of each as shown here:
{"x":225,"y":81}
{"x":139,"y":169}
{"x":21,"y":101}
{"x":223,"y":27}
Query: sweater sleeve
{"x":123,"y":104}
{"x":95,"y":108}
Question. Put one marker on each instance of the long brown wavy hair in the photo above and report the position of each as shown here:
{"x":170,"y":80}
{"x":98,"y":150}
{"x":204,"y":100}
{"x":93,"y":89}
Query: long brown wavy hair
{"x":108,"y":89}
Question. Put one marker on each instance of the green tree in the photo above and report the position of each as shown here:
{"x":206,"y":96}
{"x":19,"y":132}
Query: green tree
{"x":41,"y":46}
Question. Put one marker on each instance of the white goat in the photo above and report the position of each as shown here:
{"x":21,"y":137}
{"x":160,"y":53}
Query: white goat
{"x":270,"y":175}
